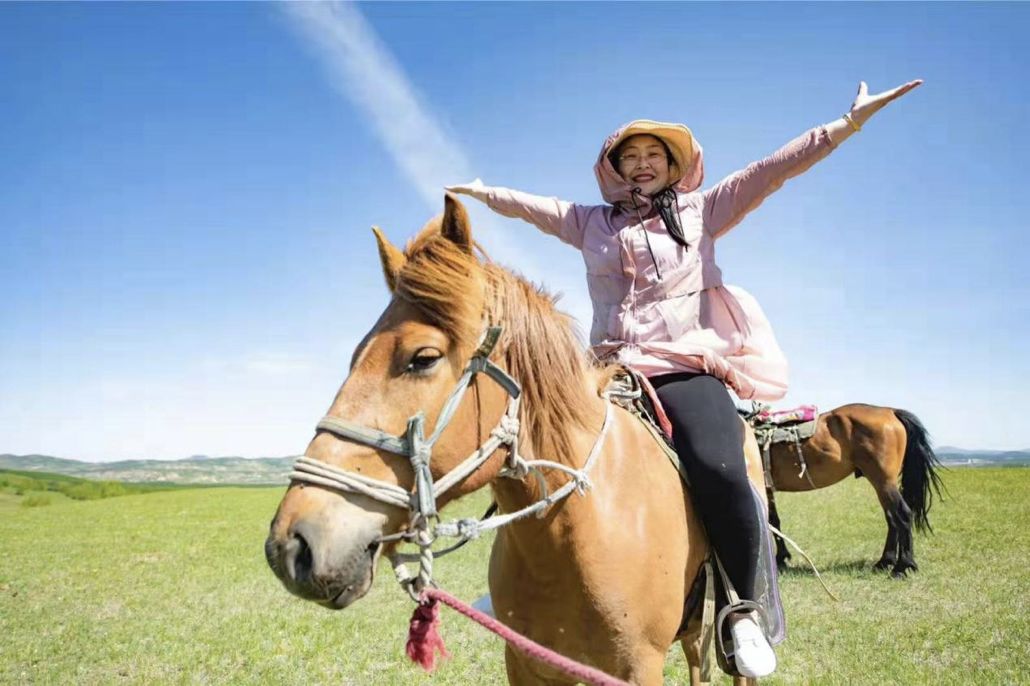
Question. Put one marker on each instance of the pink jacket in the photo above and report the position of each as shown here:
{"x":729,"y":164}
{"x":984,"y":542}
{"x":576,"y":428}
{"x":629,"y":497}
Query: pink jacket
{"x":673,"y":313}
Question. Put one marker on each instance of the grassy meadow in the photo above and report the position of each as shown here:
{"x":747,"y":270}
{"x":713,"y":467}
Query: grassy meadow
{"x":172,"y":587}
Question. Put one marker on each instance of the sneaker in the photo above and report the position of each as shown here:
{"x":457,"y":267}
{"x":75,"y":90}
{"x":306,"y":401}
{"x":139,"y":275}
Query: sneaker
{"x":754,"y":657}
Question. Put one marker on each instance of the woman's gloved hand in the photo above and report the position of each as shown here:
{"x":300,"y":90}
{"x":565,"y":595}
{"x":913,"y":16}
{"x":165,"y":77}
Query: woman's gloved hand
{"x":474,"y":188}
{"x":866,"y":105}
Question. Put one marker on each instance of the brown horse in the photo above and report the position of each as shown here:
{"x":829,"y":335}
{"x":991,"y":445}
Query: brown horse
{"x":602,"y":576}
{"x":888,"y":447}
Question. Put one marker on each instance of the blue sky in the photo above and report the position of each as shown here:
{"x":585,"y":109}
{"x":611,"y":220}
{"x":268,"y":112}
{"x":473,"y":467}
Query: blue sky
{"x":186,"y":192}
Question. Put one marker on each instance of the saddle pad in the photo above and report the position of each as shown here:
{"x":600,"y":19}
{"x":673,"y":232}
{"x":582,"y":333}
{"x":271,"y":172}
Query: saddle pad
{"x":804,"y":413}
{"x":635,"y":393}
{"x":660,"y":417}
{"x":770,"y":433}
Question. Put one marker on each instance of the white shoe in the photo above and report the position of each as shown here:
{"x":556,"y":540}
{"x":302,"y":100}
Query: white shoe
{"x":753,"y":655}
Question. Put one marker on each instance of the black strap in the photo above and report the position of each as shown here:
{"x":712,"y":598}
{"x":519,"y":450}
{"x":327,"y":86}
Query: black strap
{"x":668,"y":209}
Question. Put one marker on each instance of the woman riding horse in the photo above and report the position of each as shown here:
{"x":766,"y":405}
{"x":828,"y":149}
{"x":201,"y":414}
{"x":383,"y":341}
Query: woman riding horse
{"x":660,"y":306}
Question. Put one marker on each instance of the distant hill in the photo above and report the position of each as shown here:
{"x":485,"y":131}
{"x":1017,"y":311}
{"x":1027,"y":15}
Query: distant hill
{"x":273,"y":471}
{"x":994,"y":458}
{"x":21,"y":482}
{"x":192,"y":470}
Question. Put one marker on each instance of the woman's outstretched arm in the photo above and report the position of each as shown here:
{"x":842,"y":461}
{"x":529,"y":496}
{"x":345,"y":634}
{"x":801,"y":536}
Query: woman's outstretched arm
{"x":551,"y":215}
{"x":729,"y":201}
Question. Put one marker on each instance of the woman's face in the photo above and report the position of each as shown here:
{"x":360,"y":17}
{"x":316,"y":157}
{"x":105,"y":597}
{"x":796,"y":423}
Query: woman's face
{"x":642,"y":161}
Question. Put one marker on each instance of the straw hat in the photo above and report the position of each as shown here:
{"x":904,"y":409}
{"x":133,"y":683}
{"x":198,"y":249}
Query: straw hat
{"x":684,"y":148}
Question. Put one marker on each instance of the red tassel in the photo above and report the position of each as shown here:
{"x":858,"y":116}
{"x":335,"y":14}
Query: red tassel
{"x":424,"y":638}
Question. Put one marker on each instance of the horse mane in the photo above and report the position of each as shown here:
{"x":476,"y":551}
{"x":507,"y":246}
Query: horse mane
{"x":461,"y":293}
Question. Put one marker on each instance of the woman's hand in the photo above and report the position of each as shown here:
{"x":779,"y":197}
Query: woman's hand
{"x":866,"y":105}
{"x":472,"y":188}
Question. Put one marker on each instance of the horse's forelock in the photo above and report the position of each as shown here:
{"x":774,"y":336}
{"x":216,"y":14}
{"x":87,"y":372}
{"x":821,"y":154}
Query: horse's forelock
{"x":444,"y":283}
{"x":458,"y":293}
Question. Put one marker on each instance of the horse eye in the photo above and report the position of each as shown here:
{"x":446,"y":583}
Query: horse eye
{"x":423,"y":360}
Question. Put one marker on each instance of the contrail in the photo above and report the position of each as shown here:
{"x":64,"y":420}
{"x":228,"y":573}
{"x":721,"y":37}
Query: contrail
{"x":364,"y":71}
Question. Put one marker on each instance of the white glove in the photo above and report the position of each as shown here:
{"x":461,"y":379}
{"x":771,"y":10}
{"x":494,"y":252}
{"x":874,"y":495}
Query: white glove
{"x":474,"y":188}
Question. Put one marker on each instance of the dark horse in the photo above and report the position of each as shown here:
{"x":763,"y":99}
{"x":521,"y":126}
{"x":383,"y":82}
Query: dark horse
{"x":890,"y":448}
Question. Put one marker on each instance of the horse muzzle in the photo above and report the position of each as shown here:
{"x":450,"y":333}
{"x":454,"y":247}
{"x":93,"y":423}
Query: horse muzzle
{"x":320,"y":560}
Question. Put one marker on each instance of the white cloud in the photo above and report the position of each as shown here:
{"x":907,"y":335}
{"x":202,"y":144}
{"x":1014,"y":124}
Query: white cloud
{"x":362,"y":69}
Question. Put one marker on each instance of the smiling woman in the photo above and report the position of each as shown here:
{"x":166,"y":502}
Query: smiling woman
{"x":645,"y":160}
{"x":667,"y":313}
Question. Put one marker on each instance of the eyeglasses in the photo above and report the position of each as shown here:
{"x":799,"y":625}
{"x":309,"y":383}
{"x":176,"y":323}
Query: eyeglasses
{"x":632,"y":158}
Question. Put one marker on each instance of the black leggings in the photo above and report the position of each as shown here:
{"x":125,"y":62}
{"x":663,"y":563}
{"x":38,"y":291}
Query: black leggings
{"x":709,"y":440}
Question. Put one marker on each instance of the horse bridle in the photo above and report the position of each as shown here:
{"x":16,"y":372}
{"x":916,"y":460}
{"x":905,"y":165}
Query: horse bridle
{"x":415,"y":447}
{"x":422,"y":502}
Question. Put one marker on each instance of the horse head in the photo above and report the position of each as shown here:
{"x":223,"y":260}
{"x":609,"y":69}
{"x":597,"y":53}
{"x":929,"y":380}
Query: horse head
{"x":324,"y":541}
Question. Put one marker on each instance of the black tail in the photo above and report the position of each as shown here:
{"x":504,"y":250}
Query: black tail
{"x":919,"y":477}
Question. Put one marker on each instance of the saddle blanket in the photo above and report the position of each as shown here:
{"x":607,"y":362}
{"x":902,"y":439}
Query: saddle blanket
{"x":804,"y":413}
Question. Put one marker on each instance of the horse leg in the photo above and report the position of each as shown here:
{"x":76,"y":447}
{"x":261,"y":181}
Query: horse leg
{"x":889,"y":496}
{"x":782,"y":554}
{"x":899,"y":536}
{"x":906,"y":554}
{"x":691,"y":645}
{"x":647,"y":670}
{"x":692,"y":649}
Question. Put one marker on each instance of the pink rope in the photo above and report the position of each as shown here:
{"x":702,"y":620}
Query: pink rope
{"x":572,"y":668}
{"x":424,"y":639}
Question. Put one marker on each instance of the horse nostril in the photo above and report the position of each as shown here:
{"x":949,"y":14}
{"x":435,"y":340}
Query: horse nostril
{"x":297,"y":558}
{"x":302,"y":561}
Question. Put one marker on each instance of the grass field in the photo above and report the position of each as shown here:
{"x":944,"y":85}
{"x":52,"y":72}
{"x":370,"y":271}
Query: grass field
{"x":172,"y":587}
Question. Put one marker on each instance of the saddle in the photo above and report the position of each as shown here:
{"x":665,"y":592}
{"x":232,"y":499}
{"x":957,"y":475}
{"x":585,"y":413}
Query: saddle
{"x":783,"y":426}
{"x":633,"y":391}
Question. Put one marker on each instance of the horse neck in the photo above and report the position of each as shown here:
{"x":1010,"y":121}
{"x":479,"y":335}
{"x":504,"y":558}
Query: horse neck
{"x":546,"y":537}
{"x":635,"y":496}
{"x":548,"y":434}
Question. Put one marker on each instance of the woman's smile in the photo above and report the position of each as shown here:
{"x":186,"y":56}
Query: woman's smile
{"x":643,"y":161}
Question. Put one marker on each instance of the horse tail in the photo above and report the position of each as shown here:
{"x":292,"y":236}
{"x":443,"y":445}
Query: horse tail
{"x":919,"y":475}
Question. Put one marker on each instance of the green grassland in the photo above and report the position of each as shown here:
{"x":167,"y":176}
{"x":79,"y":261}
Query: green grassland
{"x":42,"y":488}
{"x":172,"y":587}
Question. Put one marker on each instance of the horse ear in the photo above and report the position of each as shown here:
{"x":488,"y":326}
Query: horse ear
{"x":393,"y":259}
{"x":455,"y":225}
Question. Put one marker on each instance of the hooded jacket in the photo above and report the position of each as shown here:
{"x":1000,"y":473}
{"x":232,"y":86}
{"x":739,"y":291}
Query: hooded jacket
{"x":661,"y":307}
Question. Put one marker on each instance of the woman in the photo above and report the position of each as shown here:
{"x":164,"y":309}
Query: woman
{"x":660,"y":306}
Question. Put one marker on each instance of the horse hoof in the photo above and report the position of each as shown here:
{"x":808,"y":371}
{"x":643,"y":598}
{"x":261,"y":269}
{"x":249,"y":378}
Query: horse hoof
{"x":902,"y":569}
{"x":883,"y":565}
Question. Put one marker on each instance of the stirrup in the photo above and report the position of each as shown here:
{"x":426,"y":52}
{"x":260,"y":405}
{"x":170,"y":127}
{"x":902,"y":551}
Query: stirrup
{"x":727,"y":660}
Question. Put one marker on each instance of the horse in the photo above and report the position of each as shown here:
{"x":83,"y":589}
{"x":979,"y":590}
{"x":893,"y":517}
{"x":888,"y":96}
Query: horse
{"x":887,"y":446}
{"x":600,"y":577}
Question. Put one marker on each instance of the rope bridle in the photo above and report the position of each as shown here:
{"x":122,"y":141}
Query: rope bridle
{"x":421,"y":503}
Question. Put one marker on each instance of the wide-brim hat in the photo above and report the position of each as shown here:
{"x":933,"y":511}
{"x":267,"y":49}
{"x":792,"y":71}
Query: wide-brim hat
{"x":685,"y":150}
